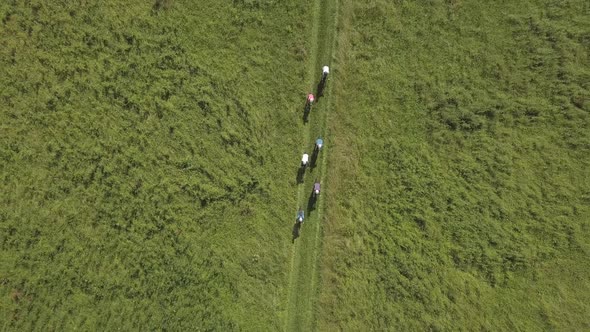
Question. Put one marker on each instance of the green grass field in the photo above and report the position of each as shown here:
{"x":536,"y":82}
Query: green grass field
{"x":149,"y":154}
{"x":148,"y":163}
{"x":459,"y":182}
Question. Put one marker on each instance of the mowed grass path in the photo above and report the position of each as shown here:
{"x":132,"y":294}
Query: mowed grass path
{"x":303,"y":276}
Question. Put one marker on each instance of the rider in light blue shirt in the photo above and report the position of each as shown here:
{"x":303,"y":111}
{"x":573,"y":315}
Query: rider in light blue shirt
{"x":319,"y":143}
{"x":300,"y":215}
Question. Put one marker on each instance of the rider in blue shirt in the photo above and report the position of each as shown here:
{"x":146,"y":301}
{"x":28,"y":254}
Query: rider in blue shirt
{"x":300,"y":215}
{"x":319,"y":143}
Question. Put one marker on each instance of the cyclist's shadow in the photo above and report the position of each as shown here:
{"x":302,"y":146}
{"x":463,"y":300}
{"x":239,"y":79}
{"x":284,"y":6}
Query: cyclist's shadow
{"x":306,"y":110}
{"x":320,"y":88}
{"x":296,"y":230}
{"x":311,"y":202}
{"x":314,"y":159}
{"x":300,"y":174}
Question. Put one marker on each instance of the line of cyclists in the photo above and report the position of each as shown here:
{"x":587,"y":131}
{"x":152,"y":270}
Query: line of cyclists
{"x":319,"y":143}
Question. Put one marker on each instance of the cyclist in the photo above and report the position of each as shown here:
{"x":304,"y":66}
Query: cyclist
{"x":300,"y":215}
{"x":304,"y":160}
{"x":316,"y":188}
{"x":319,"y":143}
{"x":310,"y":99}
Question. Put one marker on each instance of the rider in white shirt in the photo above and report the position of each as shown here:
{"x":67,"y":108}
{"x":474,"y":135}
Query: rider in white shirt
{"x":304,"y":159}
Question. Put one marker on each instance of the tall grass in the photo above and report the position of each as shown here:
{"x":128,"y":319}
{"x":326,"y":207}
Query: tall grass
{"x":459,"y":177}
{"x":143,"y":157}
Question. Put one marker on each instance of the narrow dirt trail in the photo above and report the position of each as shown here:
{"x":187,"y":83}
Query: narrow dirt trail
{"x":305,"y":253}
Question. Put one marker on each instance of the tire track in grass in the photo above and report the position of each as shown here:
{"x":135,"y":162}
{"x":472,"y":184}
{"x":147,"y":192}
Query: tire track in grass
{"x":304,"y":274}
